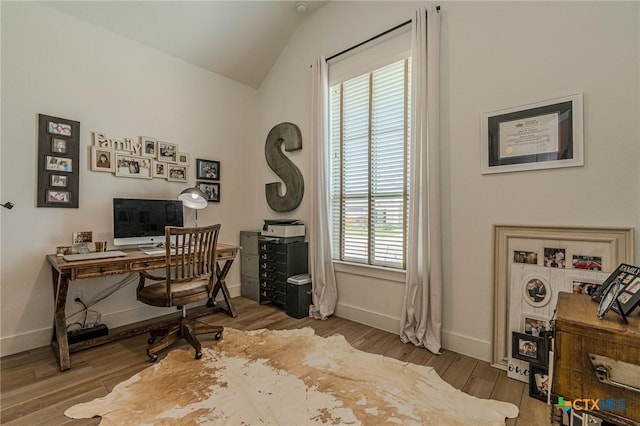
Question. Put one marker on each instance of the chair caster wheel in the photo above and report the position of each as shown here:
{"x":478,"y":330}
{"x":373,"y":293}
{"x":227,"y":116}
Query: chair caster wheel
{"x":198,"y":354}
{"x":217,"y":336}
{"x":153,"y":357}
{"x":211,"y":303}
{"x":151,"y":340}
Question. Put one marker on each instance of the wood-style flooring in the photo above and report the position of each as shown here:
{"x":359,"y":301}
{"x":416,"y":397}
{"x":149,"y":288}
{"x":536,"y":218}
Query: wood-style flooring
{"x":34,"y":391}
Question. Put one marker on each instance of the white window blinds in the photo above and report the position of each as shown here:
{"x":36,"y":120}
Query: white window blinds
{"x":369,"y":131}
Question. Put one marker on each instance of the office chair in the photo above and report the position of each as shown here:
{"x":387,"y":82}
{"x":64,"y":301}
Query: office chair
{"x":189,"y":277}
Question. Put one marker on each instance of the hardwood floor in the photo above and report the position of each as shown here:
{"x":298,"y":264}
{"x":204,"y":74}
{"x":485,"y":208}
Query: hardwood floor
{"x":35,"y":392}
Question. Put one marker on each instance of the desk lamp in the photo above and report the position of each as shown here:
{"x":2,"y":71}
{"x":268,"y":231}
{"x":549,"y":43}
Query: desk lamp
{"x":193,"y":198}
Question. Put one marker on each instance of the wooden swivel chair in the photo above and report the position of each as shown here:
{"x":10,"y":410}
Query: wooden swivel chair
{"x":189,"y":277}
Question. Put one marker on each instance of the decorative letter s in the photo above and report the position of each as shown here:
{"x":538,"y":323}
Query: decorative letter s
{"x":289,"y":134}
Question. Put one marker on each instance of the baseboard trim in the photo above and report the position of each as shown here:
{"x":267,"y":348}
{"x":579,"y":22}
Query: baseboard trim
{"x":37,"y":338}
{"x":466,"y":345}
{"x":455,"y":342}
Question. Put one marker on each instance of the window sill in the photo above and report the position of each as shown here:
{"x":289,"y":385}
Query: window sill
{"x":379,"y":272}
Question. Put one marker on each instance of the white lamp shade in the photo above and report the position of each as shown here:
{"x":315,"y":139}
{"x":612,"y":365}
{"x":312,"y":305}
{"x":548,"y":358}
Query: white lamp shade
{"x":193,"y":198}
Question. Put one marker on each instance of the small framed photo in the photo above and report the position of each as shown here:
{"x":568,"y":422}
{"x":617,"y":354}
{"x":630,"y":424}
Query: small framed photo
{"x":536,"y":291}
{"x":539,"y":382}
{"x":534,"y":326}
{"x":102,"y":159}
{"x":167,"y":152}
{"x":593,"y":263}
{"x":554,"y":258}
{"x":134,"y":167}
{"x":528,"y":348}
{"x":82,"y":237}
{"x":54,"y":196}
{"x":211,"y":191}
{"x":59,"y":180}
{"x":149,"y":148}
{"x":58,"y":128}
{"x":58,"y":146}
{"x":183,"y":159}
{"x":530,"y":257}
{"x":159,"y":169}
{"x":176,"y":173}
{"x":59,"y":164}
{"x":208,"y":169}
{"x":580,"y":286}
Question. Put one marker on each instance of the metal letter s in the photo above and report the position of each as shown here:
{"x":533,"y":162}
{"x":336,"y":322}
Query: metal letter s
{"x":289,"y":134}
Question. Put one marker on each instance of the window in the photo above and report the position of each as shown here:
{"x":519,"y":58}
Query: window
{"x":369,"y":118}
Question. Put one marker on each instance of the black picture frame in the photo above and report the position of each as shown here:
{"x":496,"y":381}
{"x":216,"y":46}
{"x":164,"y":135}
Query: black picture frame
{"x":620,"y":292}
{"x":539,"y":382}
{"x":526,"y":347}
{"x":539,"y":135}
{"x":211,"y":190}
{"x":207,"y":169}
{"x":58,"y":156}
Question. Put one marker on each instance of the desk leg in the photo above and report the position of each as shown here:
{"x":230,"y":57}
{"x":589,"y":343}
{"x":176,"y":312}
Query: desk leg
{"x":221,"y":284}
{"x":59,"y":341}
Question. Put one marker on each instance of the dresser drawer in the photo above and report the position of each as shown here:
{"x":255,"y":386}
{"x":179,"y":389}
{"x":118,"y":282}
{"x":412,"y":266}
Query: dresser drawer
{"x":249,"y":265}
{"x":149,"y":264}
{"x":98,"y":271}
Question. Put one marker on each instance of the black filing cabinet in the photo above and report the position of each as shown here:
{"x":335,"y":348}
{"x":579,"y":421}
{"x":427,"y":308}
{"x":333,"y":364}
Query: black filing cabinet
{"x":278,"y":260}
{"x":249,"y":286}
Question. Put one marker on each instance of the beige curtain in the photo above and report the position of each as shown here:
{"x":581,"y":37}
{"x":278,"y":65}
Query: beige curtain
{"x":323,"y":279}
{"x":421,"y":319}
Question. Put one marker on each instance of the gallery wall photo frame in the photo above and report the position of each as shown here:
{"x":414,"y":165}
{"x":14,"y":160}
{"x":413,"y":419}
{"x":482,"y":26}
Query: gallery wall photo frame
{"x":58,"y":162}
{"x":613,"y":245}
{"x":541,"y":135}
{"x":207,"y":169}
{"x":211,"y":190}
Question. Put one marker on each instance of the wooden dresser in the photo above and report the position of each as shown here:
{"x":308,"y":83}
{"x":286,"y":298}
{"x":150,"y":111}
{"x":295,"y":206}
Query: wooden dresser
{"x":581,"y":337}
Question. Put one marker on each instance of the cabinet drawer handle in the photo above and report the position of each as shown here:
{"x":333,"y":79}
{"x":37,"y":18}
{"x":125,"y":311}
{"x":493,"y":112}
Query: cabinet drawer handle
{"x":602,"y":373}
{"x":603,"y":366}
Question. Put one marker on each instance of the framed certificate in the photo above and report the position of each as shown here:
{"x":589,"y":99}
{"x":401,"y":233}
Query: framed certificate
{"x":541,"y":135}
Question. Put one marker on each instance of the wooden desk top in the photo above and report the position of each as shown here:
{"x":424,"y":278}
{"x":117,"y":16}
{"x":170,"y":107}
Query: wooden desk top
{"x":133,"y":257}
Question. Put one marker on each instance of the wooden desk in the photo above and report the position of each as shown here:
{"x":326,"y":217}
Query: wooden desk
{"x":63,"y":272}
{"x":578,"y":333}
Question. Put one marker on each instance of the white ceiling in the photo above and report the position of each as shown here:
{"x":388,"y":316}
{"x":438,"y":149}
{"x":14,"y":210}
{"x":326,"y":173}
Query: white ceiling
{"x":240,"y":40}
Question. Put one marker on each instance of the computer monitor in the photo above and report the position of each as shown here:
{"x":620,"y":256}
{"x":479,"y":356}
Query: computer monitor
{"x":142,"y":222}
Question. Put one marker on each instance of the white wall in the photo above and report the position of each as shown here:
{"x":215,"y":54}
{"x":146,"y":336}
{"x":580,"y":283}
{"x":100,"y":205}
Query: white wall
{"x":57,"y":65}
{"x":494,"y":55}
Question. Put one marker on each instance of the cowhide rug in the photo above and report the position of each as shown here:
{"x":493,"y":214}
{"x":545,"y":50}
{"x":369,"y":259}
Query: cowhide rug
{"x":289,"y":377}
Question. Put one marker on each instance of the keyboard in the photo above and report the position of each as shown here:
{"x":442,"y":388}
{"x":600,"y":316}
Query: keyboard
{"x":93,"y":255}
{"x":155,"y":251}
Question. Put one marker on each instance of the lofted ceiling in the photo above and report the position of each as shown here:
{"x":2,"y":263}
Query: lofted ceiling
{"x":240,"y":40}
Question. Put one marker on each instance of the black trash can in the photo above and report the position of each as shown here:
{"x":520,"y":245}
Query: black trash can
{"x":298,"y":296}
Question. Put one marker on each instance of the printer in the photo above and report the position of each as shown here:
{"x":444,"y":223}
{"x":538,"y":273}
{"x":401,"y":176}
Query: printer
{"x":283,"y":228}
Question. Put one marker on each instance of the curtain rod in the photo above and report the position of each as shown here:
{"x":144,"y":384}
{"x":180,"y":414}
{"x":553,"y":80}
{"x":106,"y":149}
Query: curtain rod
{"x":372,"y":38}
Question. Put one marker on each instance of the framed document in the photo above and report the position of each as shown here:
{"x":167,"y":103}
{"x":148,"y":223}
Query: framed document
{"x":541,"y":135}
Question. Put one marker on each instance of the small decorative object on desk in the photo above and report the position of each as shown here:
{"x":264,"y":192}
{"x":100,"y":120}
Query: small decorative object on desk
{"x":620,"y":291}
